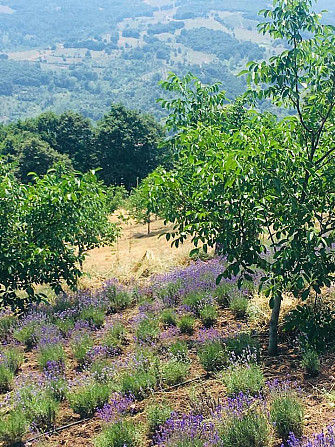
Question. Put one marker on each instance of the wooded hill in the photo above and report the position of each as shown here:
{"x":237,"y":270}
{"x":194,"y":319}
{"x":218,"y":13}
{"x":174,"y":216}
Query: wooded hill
{"x":84,"y":57}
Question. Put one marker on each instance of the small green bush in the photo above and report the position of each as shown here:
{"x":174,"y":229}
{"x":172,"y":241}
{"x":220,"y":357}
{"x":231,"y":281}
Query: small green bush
{"x":222,"y":293}
{"x":157,"y":415}
{"x":114,"y":336}
{"x":244,"y":346}
{"x":147,"y":330}
{"x":39,"y":406}
{"x":7,"y":322}
{"x":311,"y":363}
{"x":314,"y":325}
{"x":213,"y":356}
{"x":138,"y":383}
{"x":169,"y":293}
{"x":65,"y":325}
{"x":57,"y":387}
{"x":94,"y":315}
{"x":101,"y":370}
{"x":13,"y":358}
{"x":174,"y":372}
{"x":26,"y":335}
{"x":243,"y":378}
{"x":208,"y":315}
{"x":238,"y":304}
{"x":13,"y":427}
{"x":50,"y":352}
{"x":251,"y":429}
{"x":179,"y":350}
{"x":86,"y":399}
{"x":118,"y":300}
{"x":168,"y":317}
{"x":80,"y":344}
{"x":194,"y":300}
{"x":119,"y":434}
{"x":186,"y":324}
{"x":287,"y":414}
{"x":6,"y":378}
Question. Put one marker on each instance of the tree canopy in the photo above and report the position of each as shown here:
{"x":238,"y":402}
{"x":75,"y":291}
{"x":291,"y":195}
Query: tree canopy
{"x":124,"y":144}
{"x":261,"y":187}
{"x":46,"y":227}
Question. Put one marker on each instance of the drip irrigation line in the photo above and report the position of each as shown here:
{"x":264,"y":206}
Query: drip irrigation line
{"x":57,"y":430}
{"x":81,"y":421}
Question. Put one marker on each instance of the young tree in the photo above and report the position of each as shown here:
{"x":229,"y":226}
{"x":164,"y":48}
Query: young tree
{"x":138,"y":205}
{"x":263,"y":188}
{"x":46,"y":227}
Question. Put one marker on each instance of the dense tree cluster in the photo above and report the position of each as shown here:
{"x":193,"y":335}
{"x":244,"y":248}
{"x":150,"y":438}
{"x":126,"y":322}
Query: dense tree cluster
{"x":124,"y":144}
{"x":223,"y":45}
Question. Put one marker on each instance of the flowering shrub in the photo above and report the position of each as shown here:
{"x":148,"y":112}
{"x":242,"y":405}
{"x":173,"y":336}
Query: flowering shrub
{"x":11,"y":359}
{"x":81,"y":342}
{"x":120,"y":434}
{"x":174,"y":372}
{"x":49,"y":345}
{"x":39,"y":407}
{"x":25,"y":332}
{"x":87,"y":398}
{"x":55,"y":382}
{"x":13,"y":427}
{"x":248,"y":379}
{"x":324,"y":439}
{"x":286,"y":410}
{"x":187,"y":431}
{"x":119,"y":404}
{"x":179,"y":351}
{"x":157,"y":415}
{"x":147,"y":330}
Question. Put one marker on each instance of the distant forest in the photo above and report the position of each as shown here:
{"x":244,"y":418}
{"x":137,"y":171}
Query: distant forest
{"x":86,"y":56}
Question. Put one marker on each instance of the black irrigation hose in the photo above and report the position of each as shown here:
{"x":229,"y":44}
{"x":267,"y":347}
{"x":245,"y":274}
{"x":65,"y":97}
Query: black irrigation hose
{"x":56,"y":430}
{"x":81,"y":421}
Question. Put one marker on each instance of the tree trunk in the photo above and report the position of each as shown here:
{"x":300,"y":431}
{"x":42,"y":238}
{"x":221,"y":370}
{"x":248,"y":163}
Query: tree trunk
{"x":273,"y":331}
{"x":149,"y":226}
{"x":218,"y":248}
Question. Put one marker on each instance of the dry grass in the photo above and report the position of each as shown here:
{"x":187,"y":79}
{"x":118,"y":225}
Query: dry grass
{"x":136,"y":255}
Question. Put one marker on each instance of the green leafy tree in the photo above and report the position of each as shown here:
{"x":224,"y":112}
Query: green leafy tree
{"x":262,"y":187}
{"x":138,"y":205}
{"x":46,"y":228}
{"x":126,"y":146}
{"x":30,"y":153}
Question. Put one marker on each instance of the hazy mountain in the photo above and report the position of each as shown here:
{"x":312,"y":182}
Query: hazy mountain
{"x":85,"y":54}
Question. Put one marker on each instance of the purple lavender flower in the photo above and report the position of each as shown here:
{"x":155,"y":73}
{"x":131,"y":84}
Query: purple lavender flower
{"x":192,"y":429}
{"x":118,"y":405}
{"x":324,"y":439}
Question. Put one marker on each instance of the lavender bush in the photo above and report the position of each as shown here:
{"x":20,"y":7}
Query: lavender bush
{"x":187,"y":431}
{"x":324,"y":439}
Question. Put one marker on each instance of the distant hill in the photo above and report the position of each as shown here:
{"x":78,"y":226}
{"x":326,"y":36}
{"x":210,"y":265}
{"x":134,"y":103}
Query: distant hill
{"x":85,"y":54}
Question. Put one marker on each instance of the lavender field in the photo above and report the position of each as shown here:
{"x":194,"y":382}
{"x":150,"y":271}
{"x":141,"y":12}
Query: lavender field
{"x":176,"y":361}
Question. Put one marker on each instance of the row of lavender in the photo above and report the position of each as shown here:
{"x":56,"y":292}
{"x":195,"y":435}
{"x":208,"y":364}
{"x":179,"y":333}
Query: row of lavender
{"x":109,"y":349}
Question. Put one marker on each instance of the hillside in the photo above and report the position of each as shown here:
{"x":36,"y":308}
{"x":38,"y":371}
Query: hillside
{"x":86,"y":55}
